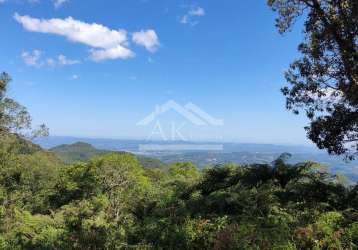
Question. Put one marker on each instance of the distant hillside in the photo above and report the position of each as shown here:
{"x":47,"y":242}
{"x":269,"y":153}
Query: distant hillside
{"x":83,"y":152}
{"x":78,"y":151}
{"x":133,"y":145}
{"x":232,"y":153}
{"x":204,"y":159}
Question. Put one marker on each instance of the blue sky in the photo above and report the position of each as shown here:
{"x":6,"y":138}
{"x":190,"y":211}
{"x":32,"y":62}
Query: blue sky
{"x":99,"y":72}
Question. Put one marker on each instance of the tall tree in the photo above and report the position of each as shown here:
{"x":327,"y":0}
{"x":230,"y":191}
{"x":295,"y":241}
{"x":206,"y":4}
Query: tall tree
{"x":14,"y":118}
{"x":324,"y":81}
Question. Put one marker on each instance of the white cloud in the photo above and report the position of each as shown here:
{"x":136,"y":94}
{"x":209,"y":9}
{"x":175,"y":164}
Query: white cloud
{"x":32,"y":58}
{"x":194,"y":11}
{"x":75,"y":77}
{"x":184,"y":19}
{"x":111,"y":53}
{"x":29,"y":1}
{"x":105,"y":43}
{"x":63,"y":60}
{"x":59,"y":3}
{"x":146,"y":38}
{"x":51,"y":62}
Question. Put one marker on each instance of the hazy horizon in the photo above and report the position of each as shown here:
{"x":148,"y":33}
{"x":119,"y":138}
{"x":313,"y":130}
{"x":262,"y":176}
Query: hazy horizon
{"x":79,"y":137}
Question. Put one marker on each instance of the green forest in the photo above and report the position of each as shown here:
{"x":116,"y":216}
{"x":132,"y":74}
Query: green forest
{"x":112,"y":202}
{"x":115,"y":200}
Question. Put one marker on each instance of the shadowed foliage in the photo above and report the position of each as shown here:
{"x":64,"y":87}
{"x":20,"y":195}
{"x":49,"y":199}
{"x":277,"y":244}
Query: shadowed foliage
{"x":324,"y":81}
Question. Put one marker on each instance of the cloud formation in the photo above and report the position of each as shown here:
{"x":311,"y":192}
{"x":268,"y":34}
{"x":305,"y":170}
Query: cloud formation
{"x":63,"y":60}
{"x":34,"y":58}
{"x":194,"y":11}
{"x":146,"y":38}
{"x":59,"y":3}
{"x":104,"y":43}
{"x":29,"y":1}
{"x":75,"y":77}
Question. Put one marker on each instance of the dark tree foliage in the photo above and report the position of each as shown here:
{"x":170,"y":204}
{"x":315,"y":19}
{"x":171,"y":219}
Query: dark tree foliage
{"x":324,"y":81}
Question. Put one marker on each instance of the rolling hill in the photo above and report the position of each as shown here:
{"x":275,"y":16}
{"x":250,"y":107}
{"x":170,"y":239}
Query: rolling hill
{"x":83,"y":152}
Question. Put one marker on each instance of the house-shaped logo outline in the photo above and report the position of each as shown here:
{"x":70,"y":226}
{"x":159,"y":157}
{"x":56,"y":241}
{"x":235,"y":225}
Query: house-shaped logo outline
{"x":190,"y":112}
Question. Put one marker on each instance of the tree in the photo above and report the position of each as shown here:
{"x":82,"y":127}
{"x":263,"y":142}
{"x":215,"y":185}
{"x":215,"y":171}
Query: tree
{"x":324,"y":81}
{"x":14,"y":118}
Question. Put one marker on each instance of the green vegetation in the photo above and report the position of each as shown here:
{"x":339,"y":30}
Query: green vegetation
{"x":79,"y":151}
{"x":324,"y":81}
{"x":113,"y":202}
{"x":84,"y":152}
{"x":93,"y":199}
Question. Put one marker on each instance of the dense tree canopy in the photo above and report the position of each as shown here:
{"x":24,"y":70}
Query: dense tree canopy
{"x":324,"y":81}
{"x":112,"y":202}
